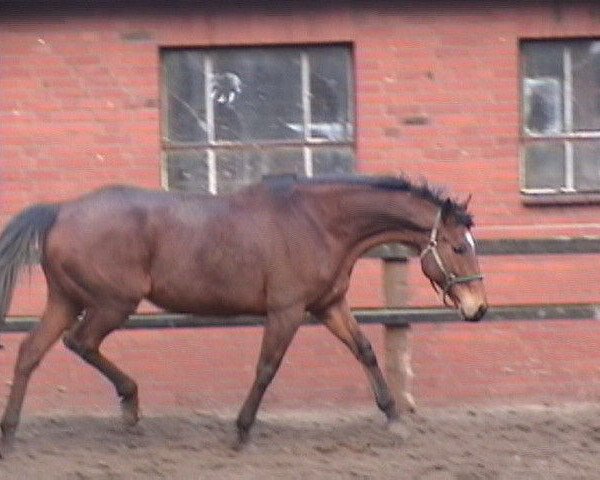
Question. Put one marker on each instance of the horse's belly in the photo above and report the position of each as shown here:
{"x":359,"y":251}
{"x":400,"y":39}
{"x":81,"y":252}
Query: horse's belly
{"x":208,"y":299}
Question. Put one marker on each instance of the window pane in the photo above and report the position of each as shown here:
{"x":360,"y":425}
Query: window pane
{"x":543,"y":59}
{"x":543,"y":100}
{"x":329,"y":160}
{"x":267,"y":104}
{"x":585,"y":57}
{"x":184,"y":96}
{"x":187,"y":171}
{"x":236,"y":168}
{"x":542,"y":87}
{"x":330,"y":93}
{"x":586,"y":165}
{"x":544,"y":166}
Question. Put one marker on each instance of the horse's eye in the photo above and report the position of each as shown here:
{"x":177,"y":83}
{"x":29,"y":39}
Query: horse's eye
{"x":460,"y":250}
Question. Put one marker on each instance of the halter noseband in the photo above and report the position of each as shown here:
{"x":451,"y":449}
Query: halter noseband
{"x":450,"y":279}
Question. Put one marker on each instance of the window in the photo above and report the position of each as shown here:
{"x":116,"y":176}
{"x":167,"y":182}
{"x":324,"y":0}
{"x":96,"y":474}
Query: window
{"x":233,"y":115}
{"x":561,"y":117}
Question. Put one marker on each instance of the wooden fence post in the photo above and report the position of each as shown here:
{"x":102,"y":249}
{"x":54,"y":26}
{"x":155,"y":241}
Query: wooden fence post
{"x":397,"y":337}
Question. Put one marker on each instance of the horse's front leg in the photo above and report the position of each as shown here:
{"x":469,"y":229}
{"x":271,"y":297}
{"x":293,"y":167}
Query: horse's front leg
{"x":339,"y":320}
{"x":280,"y":328}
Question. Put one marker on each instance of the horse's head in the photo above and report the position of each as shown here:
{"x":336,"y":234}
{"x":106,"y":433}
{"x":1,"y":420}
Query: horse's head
{"x":450,"y":262}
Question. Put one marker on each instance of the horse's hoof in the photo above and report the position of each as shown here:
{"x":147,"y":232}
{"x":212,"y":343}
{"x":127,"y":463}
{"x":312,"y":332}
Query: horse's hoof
{"x":130,"y":419}
{"x":237,"y":446}
{"x":399,"y":429}
{"x":6,"y":445}
{"x":129,"y":414}
{"x":241,"y":442}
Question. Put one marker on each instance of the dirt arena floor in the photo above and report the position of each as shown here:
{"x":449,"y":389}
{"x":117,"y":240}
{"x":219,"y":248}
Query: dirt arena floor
{"x":509,"y":443}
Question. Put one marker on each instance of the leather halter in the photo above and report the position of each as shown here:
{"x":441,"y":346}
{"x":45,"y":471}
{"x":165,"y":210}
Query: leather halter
{"x":450,"y":278}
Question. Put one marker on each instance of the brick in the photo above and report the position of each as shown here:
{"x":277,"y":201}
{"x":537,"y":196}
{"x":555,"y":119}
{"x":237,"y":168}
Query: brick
{"x":81,"y":108}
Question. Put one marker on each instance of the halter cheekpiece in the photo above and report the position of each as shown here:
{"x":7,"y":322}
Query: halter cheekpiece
{"x":450,"y":278}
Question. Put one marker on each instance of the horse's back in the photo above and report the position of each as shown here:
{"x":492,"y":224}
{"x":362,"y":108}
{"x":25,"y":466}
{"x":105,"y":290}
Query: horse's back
{"x":178,"y":250}
{"x":242,"y":253}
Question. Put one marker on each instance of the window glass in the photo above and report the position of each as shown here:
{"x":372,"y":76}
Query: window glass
{"x":544,"y":166}
{"x":257,"y":94}
{"x":585,"y":59}
{"x":255,"y":111}
{"x":183,"y":71}
{"x":543,"y":106}
{"x":187,"y":170}
{"x":329,"y":92}
{"x":327,"y":161}
{"x":543,"y":59}
{"x":586,"y":165}
{"x":236,"y":168}
{"x":561,"y":116}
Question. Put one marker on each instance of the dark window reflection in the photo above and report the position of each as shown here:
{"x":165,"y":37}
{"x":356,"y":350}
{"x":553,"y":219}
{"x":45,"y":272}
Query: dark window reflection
{"x":268,"y":103}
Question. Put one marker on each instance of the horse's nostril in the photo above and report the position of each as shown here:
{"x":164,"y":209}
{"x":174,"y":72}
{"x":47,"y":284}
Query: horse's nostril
{"x":478,"y":315}
{"x":480,"y":312}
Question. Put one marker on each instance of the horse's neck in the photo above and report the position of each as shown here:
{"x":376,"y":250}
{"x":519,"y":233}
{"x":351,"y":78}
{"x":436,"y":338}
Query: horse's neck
{"x":372,"y":216}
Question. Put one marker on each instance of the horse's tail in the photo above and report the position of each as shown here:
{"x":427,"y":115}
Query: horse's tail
{"x":21,"y":243}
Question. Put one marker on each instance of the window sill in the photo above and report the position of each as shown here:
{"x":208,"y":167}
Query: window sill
{"x":542,"y":199}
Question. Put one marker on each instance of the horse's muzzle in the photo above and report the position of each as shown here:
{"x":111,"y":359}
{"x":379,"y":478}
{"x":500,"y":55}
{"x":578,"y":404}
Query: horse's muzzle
{"x":478,"y":315}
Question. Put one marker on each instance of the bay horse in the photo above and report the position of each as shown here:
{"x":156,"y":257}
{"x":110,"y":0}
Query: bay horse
{"x":282,"y":248}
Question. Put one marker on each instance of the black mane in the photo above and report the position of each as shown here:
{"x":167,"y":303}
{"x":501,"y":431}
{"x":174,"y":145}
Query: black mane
{"x":435,"y":195}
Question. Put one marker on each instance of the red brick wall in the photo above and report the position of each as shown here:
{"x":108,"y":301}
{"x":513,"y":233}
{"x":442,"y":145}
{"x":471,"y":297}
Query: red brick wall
{"x":212,"y":369}
{"x":79,"y":102}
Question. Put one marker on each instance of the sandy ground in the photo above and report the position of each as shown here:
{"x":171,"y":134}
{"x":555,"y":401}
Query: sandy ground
{"x":534,"y":442}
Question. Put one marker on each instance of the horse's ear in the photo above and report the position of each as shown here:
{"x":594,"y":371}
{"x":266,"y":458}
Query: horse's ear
{"x":465,"y":204}
{"x":447,"y":208}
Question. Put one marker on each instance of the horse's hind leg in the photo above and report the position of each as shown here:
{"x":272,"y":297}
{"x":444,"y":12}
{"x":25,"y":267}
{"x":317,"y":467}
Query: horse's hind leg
{"x":340,"y":321}
{"x":85,"y":338}
{"x":279,"y":330}
{"x":58,"y":316}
